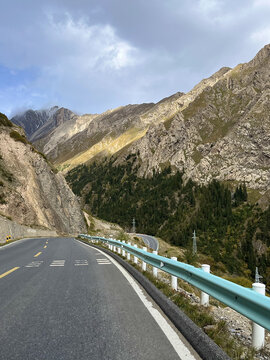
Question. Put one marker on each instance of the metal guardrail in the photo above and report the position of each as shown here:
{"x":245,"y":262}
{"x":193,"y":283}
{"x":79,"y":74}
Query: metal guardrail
{"x":247,"y":302}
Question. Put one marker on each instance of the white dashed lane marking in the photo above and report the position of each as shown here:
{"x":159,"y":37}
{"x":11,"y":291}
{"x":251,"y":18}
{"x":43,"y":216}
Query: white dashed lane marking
{"x":34,"y":264}
{"x":58,"y":263}
{"x":81,"y":263}
{"x":103,"y":261}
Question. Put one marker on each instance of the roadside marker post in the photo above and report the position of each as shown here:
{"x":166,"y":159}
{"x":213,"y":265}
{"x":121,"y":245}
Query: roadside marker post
{"x":119,"y":249}
{"x":123,"y":250}
{"x":135,"y":257}
{"x":155,"y":270}
{"x":204,"y":296}
{"x":174,"y":278}
{"x":128,"y":254}
{"x":258,"y":331}
{"x":143,"y":262}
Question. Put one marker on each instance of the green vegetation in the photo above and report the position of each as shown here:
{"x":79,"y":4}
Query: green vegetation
{"x":233,"y":236}
{"x":5,"y":174}
{"x":217,"y":330}
{"x":18,"y":137}
{"x":53,"y":168}
{"x":4,"y":120}
{"x":2,"y":199}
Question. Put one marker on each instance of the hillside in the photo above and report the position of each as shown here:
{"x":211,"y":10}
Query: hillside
{"x":223,"y":134}
{"x":31,"y":192}
{"x":232,"y":234}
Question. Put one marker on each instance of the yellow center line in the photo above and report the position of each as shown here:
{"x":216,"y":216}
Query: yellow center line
{"x":45,"y":246}
{"x":8,"y":272}
{"x":37,"y":254}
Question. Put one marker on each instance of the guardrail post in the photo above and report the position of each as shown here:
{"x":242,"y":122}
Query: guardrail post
{"x":123,"y":251}
{"x":135,"y":257}
{"x":155,"y":270}
{"x":257,"y":330}
{"x":143,"y":262}
{"x":119,"y":249}
{"x":128,"y":254}
{"x":204,"y":296}
{"x":174,"y":278}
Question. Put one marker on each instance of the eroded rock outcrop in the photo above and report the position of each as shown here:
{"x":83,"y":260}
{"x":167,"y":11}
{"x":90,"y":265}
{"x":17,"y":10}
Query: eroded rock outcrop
{"x":32,"y":193}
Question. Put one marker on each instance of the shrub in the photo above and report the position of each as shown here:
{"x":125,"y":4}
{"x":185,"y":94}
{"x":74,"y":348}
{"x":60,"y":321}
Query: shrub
{"x":18,"y":137}
{"x":4,"y":120}
{"x":2,"y":199}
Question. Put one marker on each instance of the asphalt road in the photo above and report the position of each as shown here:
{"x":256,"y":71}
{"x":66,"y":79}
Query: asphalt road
{"x":150,"y":241}
{"x":61,"y":299}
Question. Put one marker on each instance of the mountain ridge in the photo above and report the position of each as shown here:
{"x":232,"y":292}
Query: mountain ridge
{"x":220,"y":129}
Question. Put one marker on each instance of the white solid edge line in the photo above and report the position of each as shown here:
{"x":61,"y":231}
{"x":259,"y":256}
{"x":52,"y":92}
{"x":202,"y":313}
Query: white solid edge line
{"x":180,"y":348}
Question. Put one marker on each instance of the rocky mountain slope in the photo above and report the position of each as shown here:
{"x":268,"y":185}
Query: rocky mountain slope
{"x":79,"y":139}
{"x":31,"y":192}
{"x":220,"y":129}
{"x":224,"y":133}
{"x":32,"y":120}
{"x":82,"y":138}
{"x":39,"y":123}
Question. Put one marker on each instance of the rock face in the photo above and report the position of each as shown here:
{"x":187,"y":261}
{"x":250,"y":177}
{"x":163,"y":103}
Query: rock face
{"x":31,"y":193}
{"x":33,"y":120}
{"x":223,"y":132}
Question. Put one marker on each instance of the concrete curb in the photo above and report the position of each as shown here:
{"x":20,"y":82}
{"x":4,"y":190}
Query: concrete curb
{"x":202,"y":344}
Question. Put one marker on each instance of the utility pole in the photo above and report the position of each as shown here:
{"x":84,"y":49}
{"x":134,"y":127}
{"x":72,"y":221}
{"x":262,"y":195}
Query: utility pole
{"x":194,"y":248}
{"x":133,"y":226}
{"x":257,"y":276}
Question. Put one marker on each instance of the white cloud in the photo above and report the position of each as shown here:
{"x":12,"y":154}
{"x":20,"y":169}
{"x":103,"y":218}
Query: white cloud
{"x":91,"y":55}
{"x":55,"y":41}
{"x":261,"y":37}
{"x":95,"y":46}
{"x":261,"y":3}
{"x":76,"y":61}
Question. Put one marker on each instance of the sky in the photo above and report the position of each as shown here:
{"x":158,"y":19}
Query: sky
{"x":94,"y":55}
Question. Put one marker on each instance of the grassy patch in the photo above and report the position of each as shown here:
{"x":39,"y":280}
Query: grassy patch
{"x":196,"y":156}
{"x":4,"y":121}
{"x":5,"y":173}
{"x":18,"y":137}
{"x":2,"y":199}
{"x":168,"y":122}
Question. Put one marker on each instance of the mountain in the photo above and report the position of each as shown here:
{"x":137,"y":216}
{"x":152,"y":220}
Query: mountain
{"x":85,"y":136}
{"x":199,"y":161}
{"x":32,"y":194}
{"x":218,"y":130}
{"x":224,"y":133}
{"x":32,"y":120}
{"x":82,"y":138}
{"x":39,"y":123}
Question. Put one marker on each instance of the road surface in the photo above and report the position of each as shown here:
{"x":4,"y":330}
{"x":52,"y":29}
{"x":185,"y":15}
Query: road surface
{"x":63,"y":300}
{"x":150,"y":241}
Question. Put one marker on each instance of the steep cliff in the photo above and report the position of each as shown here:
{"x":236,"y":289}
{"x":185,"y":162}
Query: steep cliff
{"x":31,"y":192}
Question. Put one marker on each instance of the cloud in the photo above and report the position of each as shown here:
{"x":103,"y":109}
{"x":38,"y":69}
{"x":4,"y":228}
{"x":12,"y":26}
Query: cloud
{"x":261,"y":37}
{"x":90,"y":55}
